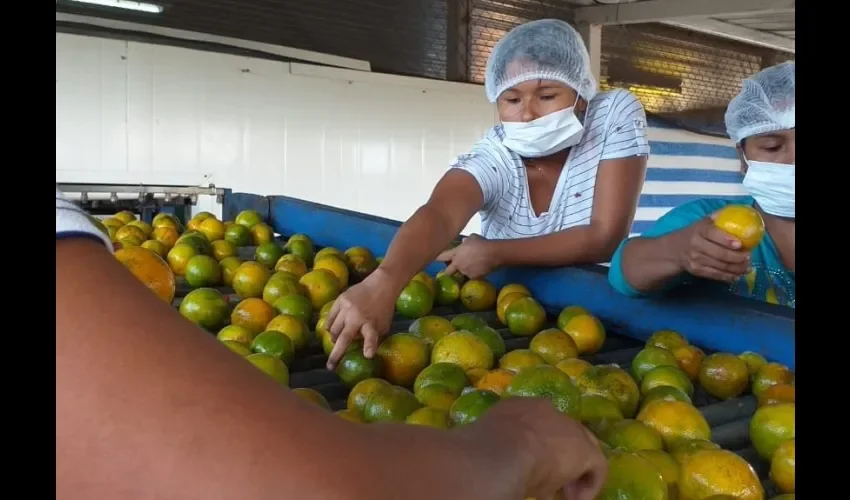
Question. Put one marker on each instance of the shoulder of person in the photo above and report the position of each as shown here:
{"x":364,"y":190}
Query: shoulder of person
{"x":613,"y":101}
{"x":74,"y":222}
{"x":488,"y":152}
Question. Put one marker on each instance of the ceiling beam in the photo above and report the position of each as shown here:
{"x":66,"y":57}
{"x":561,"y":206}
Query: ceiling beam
{"x":735,"y":32}
{"x":651,"y":11}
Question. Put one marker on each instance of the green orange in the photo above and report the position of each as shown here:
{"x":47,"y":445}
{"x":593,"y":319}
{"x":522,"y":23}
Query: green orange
{"x":206,"y":307}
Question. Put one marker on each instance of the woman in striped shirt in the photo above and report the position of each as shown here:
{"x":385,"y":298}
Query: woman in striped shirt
{"x":556,"y":183}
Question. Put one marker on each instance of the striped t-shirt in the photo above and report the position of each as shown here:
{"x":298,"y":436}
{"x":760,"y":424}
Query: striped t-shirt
{"x":73,"y":222}
{"x":614,"y":127}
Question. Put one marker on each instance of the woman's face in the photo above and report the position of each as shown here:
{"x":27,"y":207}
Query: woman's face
{"x":772,"y":147}
{"x":530,"y":100}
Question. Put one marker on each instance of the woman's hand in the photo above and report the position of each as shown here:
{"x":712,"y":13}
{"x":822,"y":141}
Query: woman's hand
{"x":364,"y":310}
{"x":711,"y":253}
{"x":474,"y":257}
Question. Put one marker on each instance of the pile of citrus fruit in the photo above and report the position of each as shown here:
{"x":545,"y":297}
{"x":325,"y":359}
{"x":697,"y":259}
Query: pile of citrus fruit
{"x":448,"y":370}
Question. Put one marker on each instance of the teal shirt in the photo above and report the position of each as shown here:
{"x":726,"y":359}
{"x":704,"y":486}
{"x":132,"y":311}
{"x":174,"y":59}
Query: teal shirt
{"x":769,"y":280}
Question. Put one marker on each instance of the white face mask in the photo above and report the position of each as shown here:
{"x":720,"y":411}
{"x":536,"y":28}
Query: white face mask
{"x":772,"y":186}
{"x":544,"y":136}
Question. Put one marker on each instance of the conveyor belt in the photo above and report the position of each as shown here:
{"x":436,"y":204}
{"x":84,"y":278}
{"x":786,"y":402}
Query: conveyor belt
{"x":729,"y":420}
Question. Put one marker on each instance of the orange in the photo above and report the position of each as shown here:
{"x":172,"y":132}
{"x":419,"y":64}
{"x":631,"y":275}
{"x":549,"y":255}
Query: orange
{"x":770,"y":426}
{"x":448,"y":290}
{"x":495,"y":380}
{"x":447,"y":375}
{"x":519,"y":359}
{"x":632,"y":435}
{"x":684,"y":450}
{"x":222,"y":249}
{"x":261,"y":233}
{"x":178,"y":257}
{"x":427,"y":280}
{"x":355,"y":367}
{"x":277,"y":288}
{"x":771,"y":374}
{"x":649,"y":358}
{"x":614,"y":383}
{"x":666,"y":393}
{"x":493,"y":340}
{"x":313,"y":396}
{"x":598,"y":412}
{"x":150,"y":269}
{"x":719,"y":472}
{"x":163,"y":219}
{"x":248,"y":218}
{"x":250,"y":279}
{"x":724,"y":376}
{"x":127,"y":242}
{"x":328,"y":251}
{"x":779,"y":393}
{"x":238,"y":235}
{"x":478,"y":295}
{"x":275,"y":344}
{"x":301,"y":247}
{"x":166,"y":235}
{"x":666,"y":339}
{"x":783,"y":467}
{"x":504,"y":302}
{"x":554,"y":346}
{"x":666,"y":376}
{"x":436,"y":396}
{"x":362,"y":392}
{"x":271,"y":366}
{"x":360,"y":261}
{"x":525,"y":317}
{"x":125,"y":216}
{"x":568,"y":313}
{"x":212,"y":228}
{"x":468,"y":321}
{"x":206,"y":307}
{"x":471,"y":406}
{"x":464,"y":349}
{"x":236,"y":333}
{"x":336,"y":266}
{"x":252,"y":314}
{"x":415,"y":300}
{"x":295,"y":305}
{"x":237,"y":347}
{"x":431,"y":328}
{"x":202,"y":270}
{"x":195,"y":221}
{"x":113,"y":222}
{"x":326,"y":309}
{"x":404,"y":356}
{"x":513,"y":288}
{"x":668,"y":468}
{"x":675,"y":421}
{"x":322,"y":287}
{"x":689,"y":358}
{"x":197,"y":241}
{"x":391,"y":404}
{"x":229,"y":265}
{"x":743,"y":223}
{"x":431,"y":417}
{"x":292,"y":327}
{"x":475,"y":374}
{"x":574,"y":367}
{"x":292,"y":264}
{"x":587,"y":332}
{"x":547,"y":382}
{"x":129,"y":231}
{"x":268,"y":254}
{"x":754,"y":361}
{"x":632,"y":477}
{"x":350,"y":416}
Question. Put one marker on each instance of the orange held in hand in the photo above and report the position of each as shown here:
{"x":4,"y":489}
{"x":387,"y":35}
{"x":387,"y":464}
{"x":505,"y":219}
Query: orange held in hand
{"x":742,"y":222}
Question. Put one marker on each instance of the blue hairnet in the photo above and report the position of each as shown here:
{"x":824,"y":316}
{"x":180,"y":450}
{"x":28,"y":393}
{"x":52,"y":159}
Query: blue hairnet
{"x":547,"y":49}
{"x":765,"y":104}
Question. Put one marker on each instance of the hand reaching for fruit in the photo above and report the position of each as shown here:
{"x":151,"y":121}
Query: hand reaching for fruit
{"x":474,"y":257}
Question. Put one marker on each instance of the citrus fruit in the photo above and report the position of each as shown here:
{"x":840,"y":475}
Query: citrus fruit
{"x":336,"y":266}
{"x":349,"y":415}
{"x":166,"y":235}
{"x":783,"y":466}
{"x":222,"y":249}
{"x":150,"y":269}
{"x":689,"y":358}
{"x":719,"y":472}
{"x":503,"y":304}
{"x":275,"y":344}
{"x":436,"y":396}
{"x":431,"y":328}
{"x":574,"y":367}
{"x":431,"y":417}
{"x":554,"y":346}
{"x":261,"y":233}
{"x":360,"y":261}
{"x":268,"y":254}
{"x":212,"y":228}
{"x":471,"y":406}
{"x":155,"y":247}
{"x":295,"y":305}
{"x":113,"y":222}
{"x":474,"y":375}
{"x":279,"y":288}
{"x":403,"y":357}
{"x":271,"y":366}
{"x":457,"y":276}
{"x":599,"y":411}
{"x":448,"y":375}
{"x":163,"y":219}
{"x":125,"y":216}
{"x":493,"y":340}
{"x":201,"y":271}
{"x":252,"y":314}
{"x":665,"y":393}
{"x":292,"y":327}
{"x":197,"y":241}
{"x":754,"y":361}
{"x":632,"y":477}
{"x":525,"y":317}
{"x":675,"y":421}
{"x":668,"y":468}
{"x":179,"y":256}
{"x":632,"y":435}
{"x":313,"y":396}
{"x":547,"y":382}
{"x":250,"y":279}
{"x":328,"y":251}
{"x":742,"y":222}
{"x":724,"y":376}
{"x":292,"y":264}
{"x":478,"y":295}
{"x":415,"y":300}
{"x":321,"y":286}
{"x":302,"y":248}
{"x":664,"y":375}
{"x":130,"y":232}
{"x":771,"y":374}
{"x":195,"y":221}
{"x":666,"y":339}
{"x":779,"y":393}
{"x":682,"y":451}
{"x":390,"y":404}
{"x":355,"y":367}
{"x":468,"y":321}
{"x":128,"y":242}
{"x":248,"y":218}
{"x":519,"y":359}
{"x":206,"y":307}
{"x":237,"y":347}
{"x":238,"y":235}
{"x":587,"y":332}
{"x":614,"y":383}
{"x":495,"y":380}
{"x":236,"y":333}
{"x":464,"y":349}
{"x":770,"y":426}
{"x":228,"y":266}
{"x":427,"y":280}
{"x":362,"y":392}
{"x":448,"y":291}
{"x":512,"y":288}
{"x":568,"y":313}
{"x":649,"y":358}
{"x":146,"y":228}
{"x":326,"y":309}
